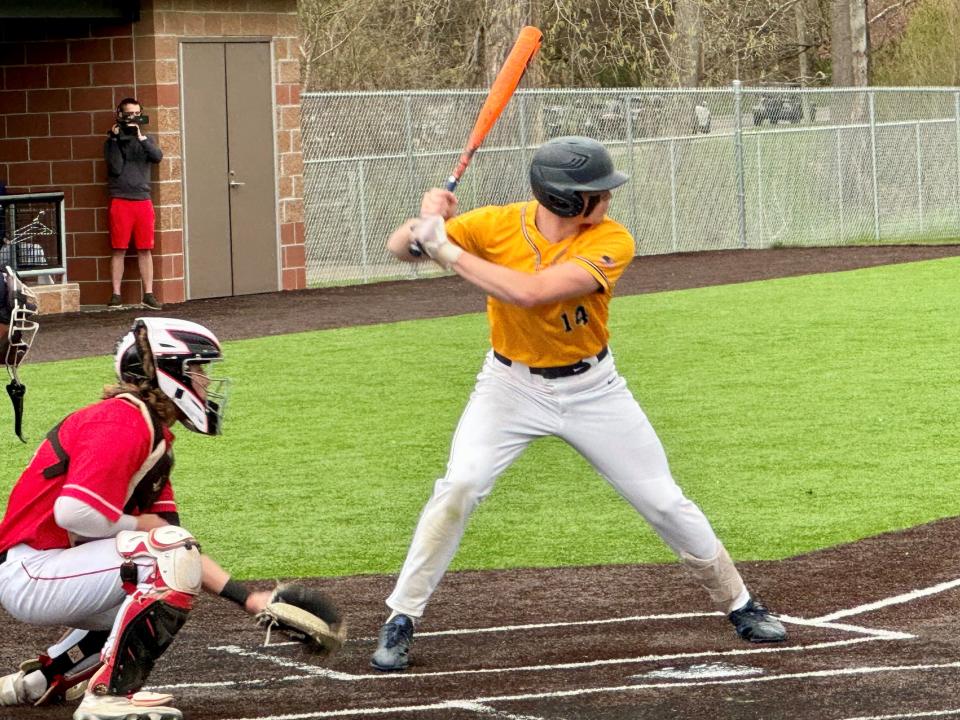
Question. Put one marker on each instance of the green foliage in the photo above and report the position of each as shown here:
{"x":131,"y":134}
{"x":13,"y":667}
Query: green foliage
{"x":799,"y":413}
{"x":928,"y":52}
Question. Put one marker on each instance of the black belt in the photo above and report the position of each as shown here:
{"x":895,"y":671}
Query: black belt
{"x":561,"y":371}
{"x":3,"y":557}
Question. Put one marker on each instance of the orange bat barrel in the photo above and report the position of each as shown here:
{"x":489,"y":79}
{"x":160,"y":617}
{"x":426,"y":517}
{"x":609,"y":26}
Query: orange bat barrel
{"x":506,"y":82}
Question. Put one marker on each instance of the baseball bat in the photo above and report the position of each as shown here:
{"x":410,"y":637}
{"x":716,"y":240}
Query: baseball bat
{"x":502,"y":89}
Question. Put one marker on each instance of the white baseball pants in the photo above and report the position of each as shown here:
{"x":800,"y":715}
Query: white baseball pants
{"x":596,"y":414}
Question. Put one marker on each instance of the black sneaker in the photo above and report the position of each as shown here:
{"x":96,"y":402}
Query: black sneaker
{"x":396,"y":636}
{"x":755,"y":623}
{"x":151,"y":302}
{"x":115,"y":301}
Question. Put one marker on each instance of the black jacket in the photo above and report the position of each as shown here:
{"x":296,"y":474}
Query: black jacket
{"x":128,"y":165}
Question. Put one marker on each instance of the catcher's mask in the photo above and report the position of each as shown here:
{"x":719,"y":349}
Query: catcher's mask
{"x":565,"y":169}
{"x":18,"y":305}
{"x":174,"y":356}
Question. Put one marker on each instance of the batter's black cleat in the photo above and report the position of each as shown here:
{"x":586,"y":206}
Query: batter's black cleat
{"x":755,"y":623}
{"x":396,"y":636}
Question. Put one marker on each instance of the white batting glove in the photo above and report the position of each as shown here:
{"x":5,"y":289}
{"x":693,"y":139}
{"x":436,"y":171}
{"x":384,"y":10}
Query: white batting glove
{"x":431,"y":236}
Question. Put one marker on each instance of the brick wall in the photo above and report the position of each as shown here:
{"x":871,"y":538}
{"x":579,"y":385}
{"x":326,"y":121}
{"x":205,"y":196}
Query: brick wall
{"x":59,"y":84}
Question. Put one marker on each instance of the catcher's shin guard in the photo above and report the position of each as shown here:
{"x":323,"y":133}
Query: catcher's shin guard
{"x":150,"y":618}
{"x":145,"y":628}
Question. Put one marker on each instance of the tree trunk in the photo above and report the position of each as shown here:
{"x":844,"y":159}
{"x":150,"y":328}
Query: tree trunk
{"x":688,"y":50}
{"x":503,"y":20}
{"x":803,"y":57}
{"x":840,"y":47}
{"x":858,"y":43}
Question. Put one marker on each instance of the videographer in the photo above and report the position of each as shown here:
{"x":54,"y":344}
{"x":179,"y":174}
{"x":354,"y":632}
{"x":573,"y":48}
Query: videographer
{"x":129,"y":154}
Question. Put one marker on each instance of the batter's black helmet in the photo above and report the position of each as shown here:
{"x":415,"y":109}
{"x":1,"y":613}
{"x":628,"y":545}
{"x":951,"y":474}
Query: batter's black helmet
{"x":564,"y":167}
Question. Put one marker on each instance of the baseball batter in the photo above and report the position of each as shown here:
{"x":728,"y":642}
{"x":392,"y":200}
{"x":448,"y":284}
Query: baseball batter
{"x":91,"y":537}
{"x":549,"y":267}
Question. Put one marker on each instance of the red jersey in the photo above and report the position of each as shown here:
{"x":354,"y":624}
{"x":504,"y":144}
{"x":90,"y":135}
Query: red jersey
{"x":107,"y":444}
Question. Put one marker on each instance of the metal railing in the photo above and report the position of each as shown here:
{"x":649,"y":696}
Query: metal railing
{"x":32,"y":234}
{"x":718,"y":168}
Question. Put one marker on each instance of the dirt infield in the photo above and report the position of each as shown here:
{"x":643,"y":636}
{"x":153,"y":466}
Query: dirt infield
{"x":874,"y":626}
{"x":874,"y":634}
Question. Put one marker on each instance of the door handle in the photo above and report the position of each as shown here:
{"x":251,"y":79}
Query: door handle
{"x":234,"y":183}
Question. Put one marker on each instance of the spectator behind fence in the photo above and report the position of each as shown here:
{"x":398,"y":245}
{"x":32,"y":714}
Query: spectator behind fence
{"x":129,"y":154}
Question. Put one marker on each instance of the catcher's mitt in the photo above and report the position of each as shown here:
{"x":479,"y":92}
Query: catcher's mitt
{"x":305,"y":615}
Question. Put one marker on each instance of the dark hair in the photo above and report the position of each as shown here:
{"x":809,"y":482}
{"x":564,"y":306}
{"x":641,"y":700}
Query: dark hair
{"x":128,"y":101}
{"x":155,"y":399}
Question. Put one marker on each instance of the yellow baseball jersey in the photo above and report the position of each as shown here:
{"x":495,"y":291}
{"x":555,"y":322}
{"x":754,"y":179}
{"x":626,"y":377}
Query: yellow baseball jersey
{"x":558,"y":333}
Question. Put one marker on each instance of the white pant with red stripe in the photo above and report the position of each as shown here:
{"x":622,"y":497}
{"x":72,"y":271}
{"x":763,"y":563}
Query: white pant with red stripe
{"x":596,"y":414}
{"x":78,"y":587}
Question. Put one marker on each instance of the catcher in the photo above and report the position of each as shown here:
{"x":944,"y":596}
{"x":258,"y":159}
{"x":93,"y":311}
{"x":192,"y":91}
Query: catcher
{"x":18,"y":305}
{"x":92,"y":540}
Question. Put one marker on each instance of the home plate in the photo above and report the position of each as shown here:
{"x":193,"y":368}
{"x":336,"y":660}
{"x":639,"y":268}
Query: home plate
{"x":701,"y":672}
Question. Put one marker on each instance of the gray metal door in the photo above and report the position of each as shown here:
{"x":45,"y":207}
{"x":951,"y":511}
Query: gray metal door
{"x":228,"y":169}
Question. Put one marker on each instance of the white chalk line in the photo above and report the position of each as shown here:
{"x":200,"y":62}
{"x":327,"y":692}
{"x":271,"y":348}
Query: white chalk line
{"x":559,"y":694}
{"x":538,"y":626}
{"x":825,"y":621}
{"x":859,"y":629}
{"x":312,"y":670}
{"x":906,"y":716}
{"x":408,"y":676}
{"x":489,"y":711}
{"x":894,"y":600}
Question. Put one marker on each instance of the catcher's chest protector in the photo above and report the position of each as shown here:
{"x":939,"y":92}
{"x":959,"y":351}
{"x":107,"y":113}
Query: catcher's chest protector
{"x":149,"y":479}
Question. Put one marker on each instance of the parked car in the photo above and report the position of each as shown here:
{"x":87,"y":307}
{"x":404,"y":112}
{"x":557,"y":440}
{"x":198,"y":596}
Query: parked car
{"x":778,"y":107}
{"x":605,"y":118}
{"x":581,"y":116}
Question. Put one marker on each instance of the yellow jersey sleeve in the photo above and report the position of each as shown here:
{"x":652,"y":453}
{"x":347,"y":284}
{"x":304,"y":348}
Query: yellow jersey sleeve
{"x":473,"y":229}
{"x":604,"y":251}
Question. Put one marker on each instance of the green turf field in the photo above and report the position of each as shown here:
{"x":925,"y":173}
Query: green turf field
{"x":799,"y":413}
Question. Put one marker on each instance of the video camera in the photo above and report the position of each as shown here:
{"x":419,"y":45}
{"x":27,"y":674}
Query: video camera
{"x":128,"y":123}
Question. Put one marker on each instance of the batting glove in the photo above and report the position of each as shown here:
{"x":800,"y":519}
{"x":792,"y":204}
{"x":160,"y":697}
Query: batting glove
{"x":431,"y":236}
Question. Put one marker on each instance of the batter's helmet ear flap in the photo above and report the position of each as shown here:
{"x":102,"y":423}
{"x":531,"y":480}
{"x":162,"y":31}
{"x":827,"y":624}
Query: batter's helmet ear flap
{"x":565,"y":167}
{"x":566,"y":205}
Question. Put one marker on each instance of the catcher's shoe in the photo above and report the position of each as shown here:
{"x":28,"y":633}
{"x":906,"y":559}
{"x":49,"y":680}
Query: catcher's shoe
{"x":13,"y":690}
{"x":755,"y":623}
{"x":396,"y":636}
{"x":139,"y":706}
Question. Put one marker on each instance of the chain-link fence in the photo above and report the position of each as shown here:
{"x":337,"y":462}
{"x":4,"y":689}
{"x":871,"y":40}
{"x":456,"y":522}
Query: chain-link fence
{"x":710,"y":168}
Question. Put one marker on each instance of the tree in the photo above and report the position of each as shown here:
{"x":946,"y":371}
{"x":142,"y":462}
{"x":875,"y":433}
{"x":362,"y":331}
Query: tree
{"x":502,"y":21}
{"x":849,"y":49}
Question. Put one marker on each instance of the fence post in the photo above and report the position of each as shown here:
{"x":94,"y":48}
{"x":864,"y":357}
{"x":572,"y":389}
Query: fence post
{"x":673,"y":192}
{"x":916,"y":133}
{"x":841,"y":209}
{"x":362,"y":212}
{"x":738,"y":153}
{"x":956,"y":117}
{"x":411,"y":170}
{"x":523,"y":131}
{"x":873,"y":167}
{"x":761,"y":214}
{"x":628,"y":137}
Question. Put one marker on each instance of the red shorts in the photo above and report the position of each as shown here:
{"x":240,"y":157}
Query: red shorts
{"x":131,"y":218}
